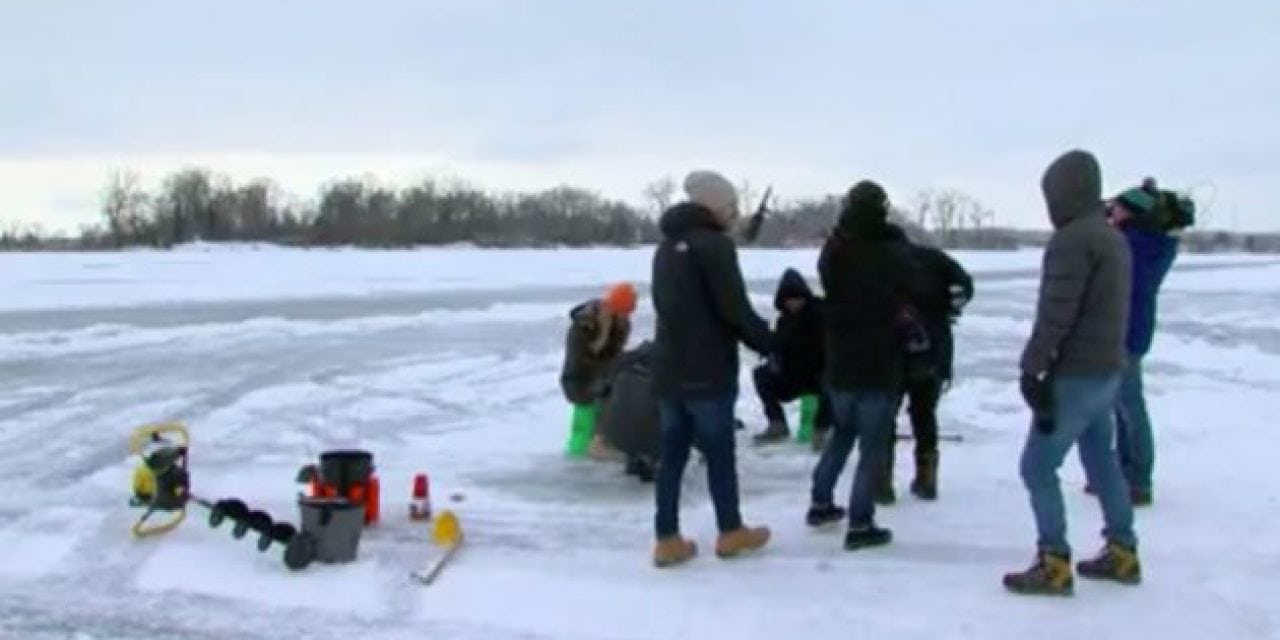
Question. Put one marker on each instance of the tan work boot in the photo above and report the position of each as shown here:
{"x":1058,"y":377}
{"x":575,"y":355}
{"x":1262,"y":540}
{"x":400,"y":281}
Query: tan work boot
{"x":601,"y":451}
{"x":673,"y":550}
{"x":732,"y":543}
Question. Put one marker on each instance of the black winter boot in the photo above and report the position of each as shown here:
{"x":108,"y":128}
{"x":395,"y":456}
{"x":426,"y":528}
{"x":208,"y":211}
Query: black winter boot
{"x":883,"y":493}
{"x":1050,"y":575}
{"x":820,"y":515}
{"x":777,"y":431}
{"x":867,"y":536}
{"x":925,"y":485}
{"x":641,"y":468}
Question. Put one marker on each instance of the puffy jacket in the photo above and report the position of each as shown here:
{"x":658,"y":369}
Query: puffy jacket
{"x":702,"y":308}
{"x":1083,"y":308}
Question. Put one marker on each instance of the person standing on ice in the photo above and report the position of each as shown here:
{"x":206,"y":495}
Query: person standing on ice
{"x":1071,"y":368}
{"x":795,"y":367}
{"x":702,"y":315}
{"x":598,"y":332}
{"x":1141,"y":215}
{"x":945,"y":289}
{"x":870,"y":282}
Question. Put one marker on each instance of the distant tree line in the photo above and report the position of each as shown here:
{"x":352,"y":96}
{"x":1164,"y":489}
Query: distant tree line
{"x":197,"y":204}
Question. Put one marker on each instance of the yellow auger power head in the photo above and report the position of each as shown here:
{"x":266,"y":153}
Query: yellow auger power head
{"x":160,"y":481}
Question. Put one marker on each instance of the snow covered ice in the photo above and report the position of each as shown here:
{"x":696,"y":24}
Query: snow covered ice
{"x":445,"y":361}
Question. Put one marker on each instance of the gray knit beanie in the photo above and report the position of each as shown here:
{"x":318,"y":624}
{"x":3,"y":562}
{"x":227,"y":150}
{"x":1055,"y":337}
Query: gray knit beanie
{"x":715,"y":192}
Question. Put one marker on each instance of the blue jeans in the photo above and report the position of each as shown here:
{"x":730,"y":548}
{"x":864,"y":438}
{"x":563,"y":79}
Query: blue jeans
{"x":708,"y":421}
{"x":1134,"y":438}
{"x":1082,"y":410}
{"x":866,"y":416}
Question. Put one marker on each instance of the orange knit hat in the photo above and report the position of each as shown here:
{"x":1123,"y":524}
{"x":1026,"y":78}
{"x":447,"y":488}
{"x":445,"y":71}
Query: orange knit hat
{"x":621,"y":299}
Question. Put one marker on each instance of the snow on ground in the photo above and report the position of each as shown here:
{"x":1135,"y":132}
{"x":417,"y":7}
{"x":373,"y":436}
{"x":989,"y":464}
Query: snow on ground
{"x":446,"y":361}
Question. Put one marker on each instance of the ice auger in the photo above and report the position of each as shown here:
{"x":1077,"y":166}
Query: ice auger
{"x":162,"y":482}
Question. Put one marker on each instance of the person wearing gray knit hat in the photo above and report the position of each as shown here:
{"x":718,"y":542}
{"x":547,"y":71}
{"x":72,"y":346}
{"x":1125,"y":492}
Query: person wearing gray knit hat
{"x":713,"y":191}
{"x":703,"y":313}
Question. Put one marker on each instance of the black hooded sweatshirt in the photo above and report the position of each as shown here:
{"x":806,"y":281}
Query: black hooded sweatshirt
{"x":702,"y":306}
{"x":798,"y":336}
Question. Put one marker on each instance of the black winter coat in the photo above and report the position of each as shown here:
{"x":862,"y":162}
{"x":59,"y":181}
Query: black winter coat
{"x":798,"y":337}
{"x":869,"y":277}
{"x":702,"y":306}
{"x":938,"y":272}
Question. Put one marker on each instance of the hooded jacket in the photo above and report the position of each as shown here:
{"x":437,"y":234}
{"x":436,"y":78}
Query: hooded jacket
{"x":701,"y":304}
{"x":587,"y":355}
{"x":939,"y":272}
{"x":1153,"y":253}
{"x":798,"y":336}
{"x":1082,"y":312}
{"x":868,"y":277}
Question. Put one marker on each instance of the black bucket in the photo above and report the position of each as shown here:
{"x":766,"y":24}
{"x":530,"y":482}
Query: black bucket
{"x":335,"y":524}
{"x":345,"y":469}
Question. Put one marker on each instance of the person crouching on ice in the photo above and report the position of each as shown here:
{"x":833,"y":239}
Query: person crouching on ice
{"x":794,"y":369}
{"x":597,"y":334}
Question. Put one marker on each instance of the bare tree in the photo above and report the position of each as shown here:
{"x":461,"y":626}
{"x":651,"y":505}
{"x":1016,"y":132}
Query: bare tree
{"x":124,"y":206}
{"x":923,"y":206}
{"x":660,"y":193}
{"x":953,"y":216}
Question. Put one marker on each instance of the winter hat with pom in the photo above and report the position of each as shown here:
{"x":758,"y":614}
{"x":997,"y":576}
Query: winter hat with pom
{"x":715,"y":192}
{"x":620,"y":299}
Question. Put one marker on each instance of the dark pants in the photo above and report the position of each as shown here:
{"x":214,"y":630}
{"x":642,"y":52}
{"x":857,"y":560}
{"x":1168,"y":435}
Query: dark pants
{"x":1134,"y":438}
{"x":775,"y":389}
{"x":923,"y":397}
{"x":708,"y":422}
{"x":865,"y":416}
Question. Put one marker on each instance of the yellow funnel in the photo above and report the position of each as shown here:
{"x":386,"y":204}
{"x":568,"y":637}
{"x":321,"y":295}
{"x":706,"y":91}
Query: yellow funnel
{"x":447,"y":531}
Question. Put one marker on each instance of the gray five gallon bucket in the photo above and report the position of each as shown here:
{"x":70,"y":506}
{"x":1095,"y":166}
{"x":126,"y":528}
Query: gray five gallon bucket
{"x":335,"y":523}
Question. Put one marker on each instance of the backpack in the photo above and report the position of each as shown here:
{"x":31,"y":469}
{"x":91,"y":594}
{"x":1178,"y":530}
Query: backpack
{"x":628,"y":418}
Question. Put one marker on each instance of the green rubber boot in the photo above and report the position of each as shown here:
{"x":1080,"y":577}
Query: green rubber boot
{"x":581,"y":428}
{"x":808,"y":415}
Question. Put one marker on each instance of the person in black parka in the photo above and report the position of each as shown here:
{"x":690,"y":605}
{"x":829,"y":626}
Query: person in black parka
{"x":944,"y":289}
{"x":794,"y":368}
{"x":869,"y":280}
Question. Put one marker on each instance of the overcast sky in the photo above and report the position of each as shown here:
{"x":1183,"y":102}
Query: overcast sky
{"x":809,"y":95}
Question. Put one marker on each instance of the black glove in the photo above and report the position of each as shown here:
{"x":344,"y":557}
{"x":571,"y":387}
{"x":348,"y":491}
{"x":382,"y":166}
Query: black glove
{"x":774,"y":363}
{"x":1037,"y":392}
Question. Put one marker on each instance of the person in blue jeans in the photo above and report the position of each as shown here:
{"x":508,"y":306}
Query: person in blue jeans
{"x":870,"y":278}
{"x":702,"y":315}
{"x":1070,"y":376}
{"x":1143,"y":216}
